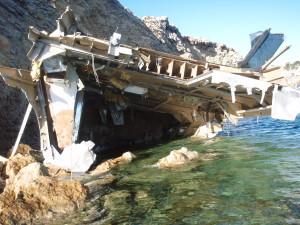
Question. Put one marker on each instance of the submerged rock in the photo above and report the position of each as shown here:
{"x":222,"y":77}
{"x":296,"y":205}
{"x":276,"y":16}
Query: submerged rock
{"x":97,"y":187}
{"x":32,"y":194}
{"x":177,"y":157}
{"x":117,"y":200}
{"x":128,"y":156}
{"x":111,"y":163}
{"x":211,"y":156}
{"x":107,"y":179}
{"x":190,"y":154}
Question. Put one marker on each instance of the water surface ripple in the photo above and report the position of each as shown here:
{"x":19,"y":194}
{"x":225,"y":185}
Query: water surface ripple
{"x":251,"y":176}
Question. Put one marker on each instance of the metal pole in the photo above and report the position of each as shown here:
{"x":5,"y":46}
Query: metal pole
{"x":29,"y":108}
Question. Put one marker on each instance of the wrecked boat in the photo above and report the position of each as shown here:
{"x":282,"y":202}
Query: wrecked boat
{"x":114,"y":95}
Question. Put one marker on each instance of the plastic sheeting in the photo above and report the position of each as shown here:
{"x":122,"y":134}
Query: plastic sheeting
{"x":285,"y":103}
{"x":76,"y":158}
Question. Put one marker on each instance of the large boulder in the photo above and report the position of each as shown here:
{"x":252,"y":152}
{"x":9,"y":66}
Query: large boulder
{"x":16,"y":163}
{"x":25,"y":176}
{"x":24,"y":156}
{"x":111,"y":163}
{"x":32,"y":195}
{"x":25,"y":150}
{"x":177,"y":157}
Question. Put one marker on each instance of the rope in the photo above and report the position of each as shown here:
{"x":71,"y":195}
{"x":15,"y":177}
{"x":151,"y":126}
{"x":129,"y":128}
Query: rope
{"x":94,"y":70}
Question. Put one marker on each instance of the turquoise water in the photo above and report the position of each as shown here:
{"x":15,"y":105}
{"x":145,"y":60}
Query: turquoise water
{"x":251,"y":176}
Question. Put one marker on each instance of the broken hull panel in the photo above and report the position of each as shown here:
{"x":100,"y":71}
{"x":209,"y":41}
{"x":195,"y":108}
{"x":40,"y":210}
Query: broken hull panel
{"x":137,"y":127}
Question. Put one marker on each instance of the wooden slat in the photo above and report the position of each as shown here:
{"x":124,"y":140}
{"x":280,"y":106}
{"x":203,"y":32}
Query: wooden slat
{"x":194,"y":71}
{"x":182,"y":70}
{"x":170,"y":68}
{"x":158,"y":64}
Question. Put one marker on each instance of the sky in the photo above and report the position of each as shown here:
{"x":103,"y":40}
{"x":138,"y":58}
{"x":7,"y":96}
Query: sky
{"x":229,"y":21}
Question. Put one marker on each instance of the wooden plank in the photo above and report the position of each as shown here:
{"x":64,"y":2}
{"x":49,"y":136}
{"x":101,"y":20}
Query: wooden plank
{"x":182,"y":70}
{"x":158,"y":64}
{"x":275,"y":57}
{"x":170,"y":68}
{"x":262,"y":111}
{"x":21,"y":131}
{"x":194,"y":71}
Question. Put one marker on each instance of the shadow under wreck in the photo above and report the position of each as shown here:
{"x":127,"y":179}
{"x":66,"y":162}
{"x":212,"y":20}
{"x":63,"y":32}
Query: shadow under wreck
{"x":113,"y":95}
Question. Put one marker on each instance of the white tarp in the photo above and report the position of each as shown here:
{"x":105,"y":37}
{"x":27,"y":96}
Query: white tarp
{"x":285,"y":103}
{"x":76,"y":158}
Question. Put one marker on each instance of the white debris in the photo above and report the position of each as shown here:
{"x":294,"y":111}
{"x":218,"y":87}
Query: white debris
{"x":285,"y":103}
{"x":234,"y":80}
{"x":76,"y":158}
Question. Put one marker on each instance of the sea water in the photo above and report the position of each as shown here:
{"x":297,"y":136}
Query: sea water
{"x":250,"y":175}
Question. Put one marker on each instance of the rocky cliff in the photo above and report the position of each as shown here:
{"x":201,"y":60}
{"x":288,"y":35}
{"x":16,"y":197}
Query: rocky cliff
{"x":96,"y":18}
{"x":190,"y":47}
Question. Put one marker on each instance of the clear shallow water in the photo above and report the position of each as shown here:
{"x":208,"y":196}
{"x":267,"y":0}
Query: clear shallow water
{"x":251,"y":176}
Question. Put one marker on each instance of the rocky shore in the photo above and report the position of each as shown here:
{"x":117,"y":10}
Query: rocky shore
{"x":32,"y":191}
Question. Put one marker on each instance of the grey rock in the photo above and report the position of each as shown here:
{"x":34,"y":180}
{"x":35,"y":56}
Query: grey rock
{"x":190,"y":47}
